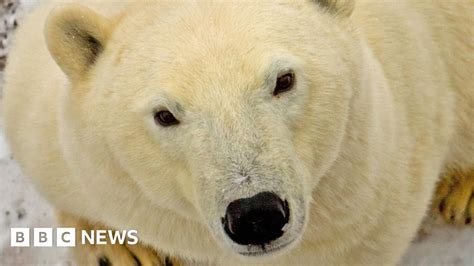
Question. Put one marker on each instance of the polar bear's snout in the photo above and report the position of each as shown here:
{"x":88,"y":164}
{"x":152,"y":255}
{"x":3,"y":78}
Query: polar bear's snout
{"x":257,"y":220}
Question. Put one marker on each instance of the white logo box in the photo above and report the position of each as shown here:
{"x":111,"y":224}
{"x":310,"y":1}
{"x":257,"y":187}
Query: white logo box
{"x":42,"y":237}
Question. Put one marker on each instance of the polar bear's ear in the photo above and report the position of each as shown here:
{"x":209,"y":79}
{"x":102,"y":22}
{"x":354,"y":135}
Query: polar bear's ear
{"x":339,"y":7}
{"x":76,"y":36}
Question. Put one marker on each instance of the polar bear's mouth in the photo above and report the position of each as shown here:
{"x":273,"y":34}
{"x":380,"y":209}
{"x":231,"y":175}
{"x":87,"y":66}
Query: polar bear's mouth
{"x":264,"y":251}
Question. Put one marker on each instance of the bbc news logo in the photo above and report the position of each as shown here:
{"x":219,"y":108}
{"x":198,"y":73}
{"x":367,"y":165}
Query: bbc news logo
{"x":66,"y":237}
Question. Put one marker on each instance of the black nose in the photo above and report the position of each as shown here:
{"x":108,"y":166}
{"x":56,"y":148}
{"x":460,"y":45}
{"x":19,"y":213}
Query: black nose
{"x":256,"y":220}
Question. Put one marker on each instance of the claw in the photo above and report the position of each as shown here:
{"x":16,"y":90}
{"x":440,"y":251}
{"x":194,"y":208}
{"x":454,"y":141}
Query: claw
{"x":455,"y":194}
{"x":442,"y":205}
{"x":103,"y":261}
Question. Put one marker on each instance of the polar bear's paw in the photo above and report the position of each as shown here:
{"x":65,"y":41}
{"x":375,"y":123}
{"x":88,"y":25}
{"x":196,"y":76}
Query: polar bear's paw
{"x":454,"y":199}
{"x":112,"y":254}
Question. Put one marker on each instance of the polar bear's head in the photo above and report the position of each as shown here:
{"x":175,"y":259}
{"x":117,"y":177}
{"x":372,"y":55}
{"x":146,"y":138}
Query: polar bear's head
{"x":227,"y":113}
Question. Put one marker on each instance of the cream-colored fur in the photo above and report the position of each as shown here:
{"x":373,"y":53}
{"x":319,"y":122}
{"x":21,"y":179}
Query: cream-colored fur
{"x":383,"y":102}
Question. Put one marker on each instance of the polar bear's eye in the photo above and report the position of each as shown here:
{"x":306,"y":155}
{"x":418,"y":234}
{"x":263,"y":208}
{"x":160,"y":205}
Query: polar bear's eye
{"x":165,"y":118}
{"x":284,"y":83}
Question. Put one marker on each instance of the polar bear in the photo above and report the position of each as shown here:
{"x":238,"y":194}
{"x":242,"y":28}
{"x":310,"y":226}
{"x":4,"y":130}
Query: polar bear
{"x":280,"y":132}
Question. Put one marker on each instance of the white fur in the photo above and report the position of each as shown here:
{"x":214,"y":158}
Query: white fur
{"x":383,"y":100}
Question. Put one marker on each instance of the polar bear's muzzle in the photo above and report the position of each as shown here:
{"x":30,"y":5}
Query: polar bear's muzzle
{"x":257,"y":220}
